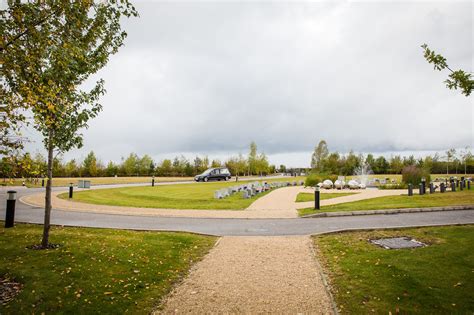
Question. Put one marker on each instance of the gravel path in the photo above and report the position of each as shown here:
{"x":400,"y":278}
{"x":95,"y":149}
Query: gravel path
{"x":253,"y":275}
{"x":278,"y":204}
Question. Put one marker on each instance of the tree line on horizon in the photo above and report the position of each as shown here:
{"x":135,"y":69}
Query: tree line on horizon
{"x":29,"y":167}
{"x":324,"y":161}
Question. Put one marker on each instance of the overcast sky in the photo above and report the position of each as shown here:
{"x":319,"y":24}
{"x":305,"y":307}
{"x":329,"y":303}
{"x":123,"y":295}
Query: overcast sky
{"x":208,"y":78}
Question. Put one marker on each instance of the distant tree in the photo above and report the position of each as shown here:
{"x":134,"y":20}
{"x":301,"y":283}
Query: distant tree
{"x":458,"y":79}
{"x":381,"y":166}
{"x":252,"y":160}
{"x":450,"y":155}
{"x":331,"y":164}
{"x":89,"y":165}
{"x":144,"y":165}
{"x":71,"y":168}
{"x":166,"y":168}
{"x":111,"y":169}
{"x":320,"y":153}
{"x":216,"y":163}
{"x":131,"y":165}
{"x":282,"y":168}
{"x":396,"y":164}
{"x":352,"y":162}
{"x":370,"y":160}
{"x":467,"y":157}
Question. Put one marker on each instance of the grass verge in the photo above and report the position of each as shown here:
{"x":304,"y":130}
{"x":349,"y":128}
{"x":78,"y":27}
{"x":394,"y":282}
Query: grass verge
{"x":179,"y":196}
{"x":95,"y":270}
{"x":305,"y":197}
{"x":458,"y":198}
{"x":437,"y":279}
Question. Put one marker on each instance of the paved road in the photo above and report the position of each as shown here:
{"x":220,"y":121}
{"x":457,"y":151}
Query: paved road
{"x":235,"y":227}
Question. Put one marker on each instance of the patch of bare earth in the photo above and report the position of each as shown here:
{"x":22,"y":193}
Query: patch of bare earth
{"x":253,"y":275}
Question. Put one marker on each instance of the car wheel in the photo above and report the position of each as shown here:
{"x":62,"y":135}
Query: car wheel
{"x":227,"y":178}
{"x":206,"y":179}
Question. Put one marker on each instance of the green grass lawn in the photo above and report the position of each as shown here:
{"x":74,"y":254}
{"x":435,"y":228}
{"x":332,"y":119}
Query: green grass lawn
{"x":458,"y":198}
{"x":179,"y":196}
{"x":304,"y":197}
{"x":437,"y":279}
{"x":95,"y":270}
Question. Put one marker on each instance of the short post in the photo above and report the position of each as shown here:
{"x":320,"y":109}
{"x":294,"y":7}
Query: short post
{"x":442,"y":188}
{"x":453,"y":186}
{"x":461,"y":185}
{"x":431,"y":188}
{"x":10,"y":214}
{"x":317,"y":199}
{"x":457,"y":182}
{"x":42,"y":182}
{"x":469,"y":184}
{"x":410,"y":189}
{"x":153,"y":181}
{"x":70,"y":190}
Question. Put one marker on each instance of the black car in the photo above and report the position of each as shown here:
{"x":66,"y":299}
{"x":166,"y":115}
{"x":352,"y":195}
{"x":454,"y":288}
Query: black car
{"x":218,"y":173}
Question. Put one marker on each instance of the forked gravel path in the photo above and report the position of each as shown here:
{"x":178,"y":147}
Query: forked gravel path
{"x":279,"y":203}
{"x":253,"y":275}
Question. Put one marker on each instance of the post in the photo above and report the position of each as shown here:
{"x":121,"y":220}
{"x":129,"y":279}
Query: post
{"x":469,"y":184}
{"x":461,"y":185}
{"x":42,"y":182}
{"x":10,"y":214}
{"x":453,"y":186}
{"x":410,"y":189}
{"x":423,"y":186}
{"x":317,"y":199}
{"x":442,"y":188}
{"x":431,"y":188}
{"x":153,"y":181}
{"x":70,"y":190}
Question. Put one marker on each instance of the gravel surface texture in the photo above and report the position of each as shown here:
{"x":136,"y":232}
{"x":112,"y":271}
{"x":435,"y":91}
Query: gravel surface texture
{"x":278,"y":204}
{"x":253,"y":275}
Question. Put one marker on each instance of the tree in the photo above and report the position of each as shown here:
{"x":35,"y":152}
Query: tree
{"x":216,"y":163}
{"x":381,"y":165}
{"x":396,"y":164}
{"x":90,"y":165}
{"x":48,"y":50}
{"x":144,"y":165}
{"x":466,"y":156}
{"x":450,"y":154}
{"x":370,"y":160}
{"x":252,"y":160}
{"x":130,"y":165}
{"x":458,"y":79}
{"x":320,"y":153}
{"x":111,"y":169}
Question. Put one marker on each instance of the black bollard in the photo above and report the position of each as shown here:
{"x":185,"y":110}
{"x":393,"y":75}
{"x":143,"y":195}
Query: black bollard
{"x":442,"y":188}
{"x":453,"y":186}
{"x":42,"y":182}
{"x":70,"y":190}
{"x":461,"y":185}
{"x":432,"y":188}
{"x":410,"y":190}
{"x":10,"y":214}
{"x":457,"y":182}
{"x":469,"y":184}
{"x":153,"y":181}
{"x":317,"y":198}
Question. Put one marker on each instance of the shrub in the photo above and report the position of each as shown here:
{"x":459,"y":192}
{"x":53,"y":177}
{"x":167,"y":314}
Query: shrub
{"x":413,"y":175}
{"x":393,"y":186}
{"x":313,"y":179}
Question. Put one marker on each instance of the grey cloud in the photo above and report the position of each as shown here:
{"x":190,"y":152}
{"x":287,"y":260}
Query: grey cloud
{"x":211,"y":77}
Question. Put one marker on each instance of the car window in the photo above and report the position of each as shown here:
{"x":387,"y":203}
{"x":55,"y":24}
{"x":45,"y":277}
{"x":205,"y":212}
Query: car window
{"x":225,"y":171}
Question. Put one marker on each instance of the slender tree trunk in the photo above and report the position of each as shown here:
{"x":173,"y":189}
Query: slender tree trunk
{"x":49,"y":183}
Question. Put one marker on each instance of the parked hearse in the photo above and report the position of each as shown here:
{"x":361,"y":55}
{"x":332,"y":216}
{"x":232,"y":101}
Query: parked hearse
{"x":217,"y":173}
